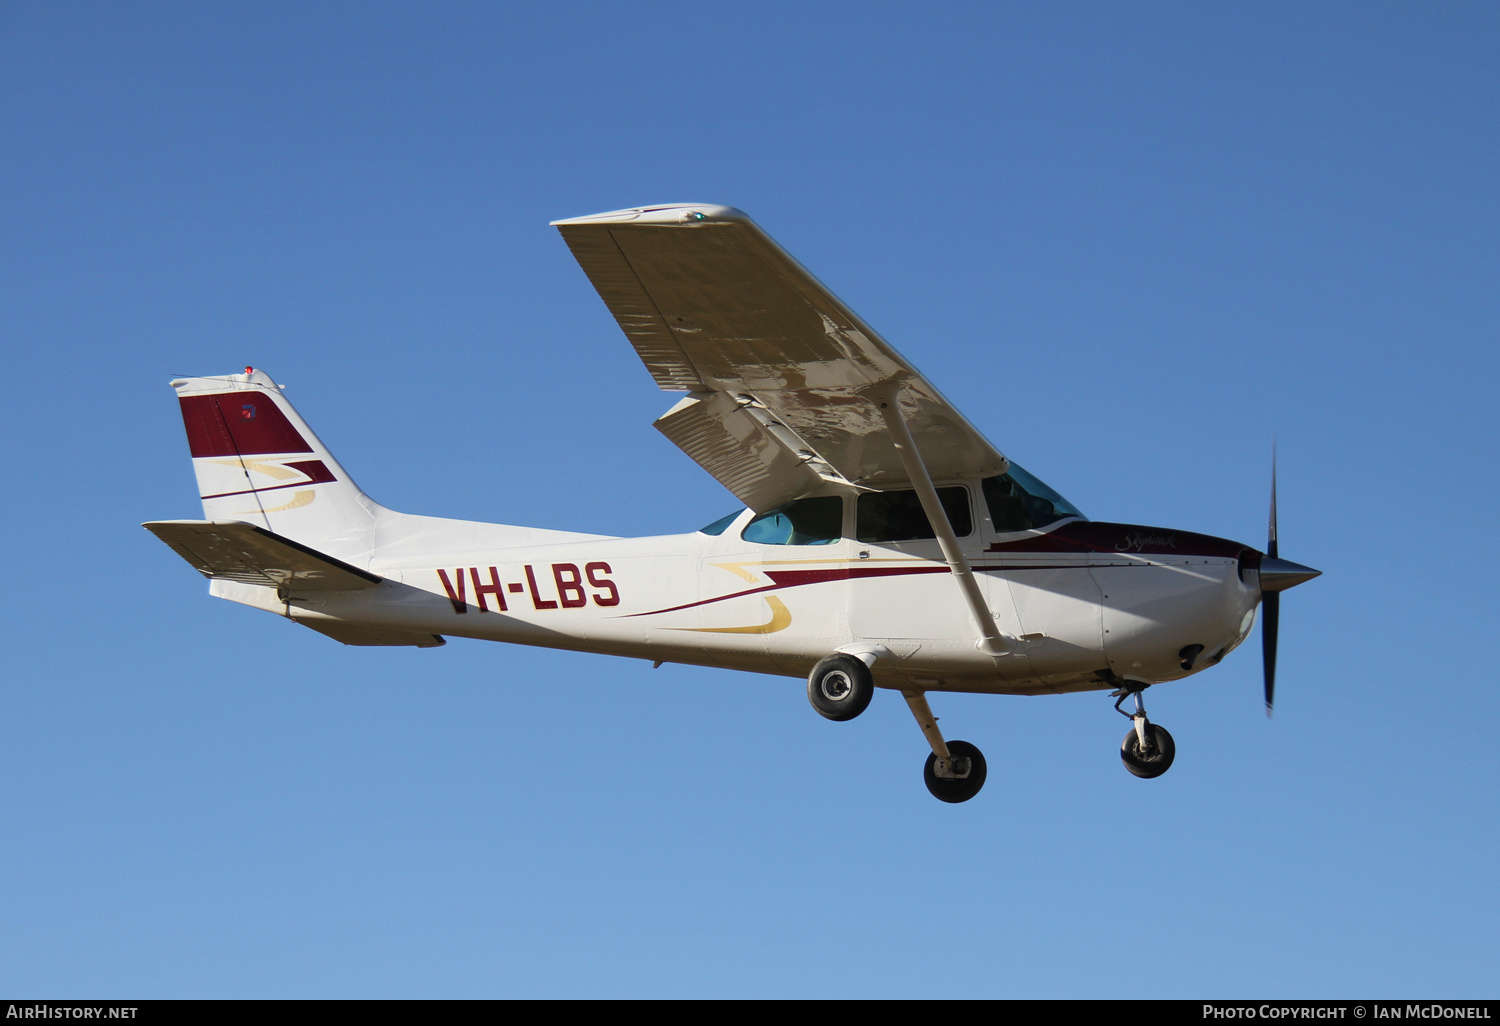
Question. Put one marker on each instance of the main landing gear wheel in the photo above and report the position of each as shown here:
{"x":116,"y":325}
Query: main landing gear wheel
{"x":1156,"y":759}
{"x":956,"y":789}
{"x":840,"y":686}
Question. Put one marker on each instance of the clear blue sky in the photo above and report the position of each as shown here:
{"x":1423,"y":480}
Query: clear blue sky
{"x":1131,"y":241}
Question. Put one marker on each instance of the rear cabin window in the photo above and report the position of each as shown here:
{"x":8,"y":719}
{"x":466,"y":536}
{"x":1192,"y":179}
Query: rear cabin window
{"x":815,"y":521}
{"x":721,"y":525}
{"x":898,"y":516}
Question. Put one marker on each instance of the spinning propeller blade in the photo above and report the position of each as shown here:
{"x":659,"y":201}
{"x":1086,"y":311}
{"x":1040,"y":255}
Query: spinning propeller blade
{"x":1270,"y":602}
{"x":1270,"y":613}
{"x":1276,"y":575}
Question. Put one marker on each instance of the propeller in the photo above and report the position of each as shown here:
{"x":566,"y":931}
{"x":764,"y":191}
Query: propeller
{"x":1270,"y":602}
{"x":1276,"y":576}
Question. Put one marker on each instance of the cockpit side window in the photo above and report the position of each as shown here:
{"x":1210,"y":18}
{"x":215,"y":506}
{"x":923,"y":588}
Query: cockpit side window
{"x":1020,"y":502}
{"x":818,"y":520}
{"x":898,"y":516}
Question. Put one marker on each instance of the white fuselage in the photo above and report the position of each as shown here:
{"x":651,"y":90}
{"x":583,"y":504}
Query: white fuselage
{"x":1089,"y":603}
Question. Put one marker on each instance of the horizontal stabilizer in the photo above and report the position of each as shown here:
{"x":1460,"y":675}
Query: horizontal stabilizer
{"x":236,"y":551}
{"x":355,"y":634}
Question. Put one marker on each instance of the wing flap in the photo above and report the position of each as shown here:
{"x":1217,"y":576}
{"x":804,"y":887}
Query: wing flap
{"x":742,"y":452}
{"x":236,"y":551}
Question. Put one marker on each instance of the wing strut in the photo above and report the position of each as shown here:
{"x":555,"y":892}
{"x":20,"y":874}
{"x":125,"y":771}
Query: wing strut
{"x":991,"y":641}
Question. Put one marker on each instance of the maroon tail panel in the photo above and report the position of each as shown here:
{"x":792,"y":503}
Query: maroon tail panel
{"x":238,"y":424}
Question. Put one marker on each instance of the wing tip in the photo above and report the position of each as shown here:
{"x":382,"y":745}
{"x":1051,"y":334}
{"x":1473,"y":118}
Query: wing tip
{"x":661,"y":214}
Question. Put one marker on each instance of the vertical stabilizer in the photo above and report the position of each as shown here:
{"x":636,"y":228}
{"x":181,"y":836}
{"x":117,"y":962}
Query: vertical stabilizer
{"x":257,"y":461}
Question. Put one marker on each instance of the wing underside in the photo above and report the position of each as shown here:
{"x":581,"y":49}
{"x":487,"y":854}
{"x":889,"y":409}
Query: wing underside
{"x":783,"y":379}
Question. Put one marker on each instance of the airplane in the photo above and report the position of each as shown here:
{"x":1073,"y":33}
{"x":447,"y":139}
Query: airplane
{"x":884,"y":542}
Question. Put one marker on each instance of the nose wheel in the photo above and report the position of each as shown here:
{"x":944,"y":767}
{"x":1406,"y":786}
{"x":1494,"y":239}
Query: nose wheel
{"x":1148,"y":750}
{"x":1151,"y":760}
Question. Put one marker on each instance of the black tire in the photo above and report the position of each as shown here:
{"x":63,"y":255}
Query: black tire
{"x":1153,"y":763}
{"x":840,"y":687}
{"x":952,"y":791}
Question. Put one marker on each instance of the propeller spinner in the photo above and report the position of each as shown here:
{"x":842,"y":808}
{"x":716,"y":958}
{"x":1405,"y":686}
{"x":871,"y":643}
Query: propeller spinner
{"x":1276,"y":576}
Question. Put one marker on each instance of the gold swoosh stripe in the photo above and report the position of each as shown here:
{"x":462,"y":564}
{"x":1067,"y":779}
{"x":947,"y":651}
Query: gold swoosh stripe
{"x":273,"y":470}
{"x":781,"y":619}
{"x":299,"y":499}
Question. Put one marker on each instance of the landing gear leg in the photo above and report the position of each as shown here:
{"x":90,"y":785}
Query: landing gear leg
{"x":955,"y":770}
{"x":1148,"y":750}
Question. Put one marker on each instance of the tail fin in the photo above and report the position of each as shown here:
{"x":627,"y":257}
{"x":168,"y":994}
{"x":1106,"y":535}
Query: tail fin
{"x":258,"y":462}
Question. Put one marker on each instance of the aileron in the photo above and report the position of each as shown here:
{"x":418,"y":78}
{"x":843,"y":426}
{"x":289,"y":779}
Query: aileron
{"x":600,"y":257}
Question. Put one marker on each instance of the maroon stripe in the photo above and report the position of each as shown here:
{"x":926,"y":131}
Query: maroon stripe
{"x":238,"y":424}
{"x":797,"y":578}
{"x":257,"y":491}
{"x":794,"y":578}
{"x":315,"y":470}
{"x":1085,"y":536}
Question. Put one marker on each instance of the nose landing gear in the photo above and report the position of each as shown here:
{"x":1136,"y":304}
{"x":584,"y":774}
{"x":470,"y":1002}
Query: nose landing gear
{"x":1148,"y":750}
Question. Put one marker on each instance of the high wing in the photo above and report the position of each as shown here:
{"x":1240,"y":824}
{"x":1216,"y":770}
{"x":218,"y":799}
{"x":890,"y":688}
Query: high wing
{"x":784,"y":380}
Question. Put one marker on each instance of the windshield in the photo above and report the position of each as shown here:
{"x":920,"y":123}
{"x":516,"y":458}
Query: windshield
{"x":1019,"y":502}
